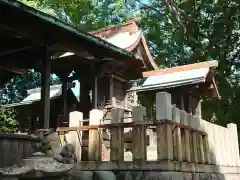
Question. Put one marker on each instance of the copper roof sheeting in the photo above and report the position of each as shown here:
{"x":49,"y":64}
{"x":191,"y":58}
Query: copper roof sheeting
{"x":127,"y":36}
{"x":207,"y":64}
{"x":180,"y":76}
{"x":34,"y":95}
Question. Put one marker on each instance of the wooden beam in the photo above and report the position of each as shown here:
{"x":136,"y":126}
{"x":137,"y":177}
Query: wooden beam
{"x":12,"y":51}
{"x":15,"y":70}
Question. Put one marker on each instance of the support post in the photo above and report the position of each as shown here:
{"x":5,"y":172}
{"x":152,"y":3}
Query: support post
{"x":110,"y":87}
{"x":199,"y":109}
{"x":196,"y":149}
{"x":201,"y":149}
{"x":135,"y":96}
{"x":95,"y":92}
{"x":185,"y":138}
{"x":85,"y":101}
{"x":94,"y":140}
{"x":64,"y":78}
{"x":164,"y":131}
{"x":232,"y":129}
{"x":139,"y":147}
{"x":75,"y":137}
{"x":177,"y":140}
{"x":117,"y":135}
{"x":45,"y":88}
{"x":64,"y":93}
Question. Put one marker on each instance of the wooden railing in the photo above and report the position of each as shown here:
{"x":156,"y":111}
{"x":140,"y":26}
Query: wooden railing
{"x":13,"y":148}
{"x":173,"y":139}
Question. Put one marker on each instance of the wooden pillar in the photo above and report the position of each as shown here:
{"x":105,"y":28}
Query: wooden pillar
{"x":45,"y":88}
{"x":64,"y":93}
{"x":85,"y":102}
{"x":190,"y":105}
{"x":95,"y":93}
{"x":110,"y":87}
{"x":182,"y":102}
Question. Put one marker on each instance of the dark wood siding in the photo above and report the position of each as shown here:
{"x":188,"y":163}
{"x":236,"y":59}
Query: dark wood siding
{"x":103,"y":90}
{"x":119,"y":90}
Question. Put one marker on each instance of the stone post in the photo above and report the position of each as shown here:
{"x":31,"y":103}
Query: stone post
{"x":164,"y":130}
{"x":139,"y":147}
{"x":234,"y":142}
{"x":94,"y":141}
{"x":75,"y":137}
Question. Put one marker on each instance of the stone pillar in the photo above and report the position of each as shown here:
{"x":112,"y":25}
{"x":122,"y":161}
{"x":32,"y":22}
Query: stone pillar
{"x":94,"y":141}
{"x":164,"y":130}
{"x":117,"y":135}
{"x":75,"y":137}
{"x":139,"y":148}
{"x":232,"y":129}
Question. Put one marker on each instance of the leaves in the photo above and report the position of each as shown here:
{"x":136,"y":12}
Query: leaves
{"x":8,"y":120}
{"x":179,"y":32}
{"x":16,"y":89}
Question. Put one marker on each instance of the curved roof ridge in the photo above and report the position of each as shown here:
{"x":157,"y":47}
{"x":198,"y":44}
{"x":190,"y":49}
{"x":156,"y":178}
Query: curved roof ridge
{"x":131,"y":26}
{"x":114,"y":26}
{"x":148,"y":53}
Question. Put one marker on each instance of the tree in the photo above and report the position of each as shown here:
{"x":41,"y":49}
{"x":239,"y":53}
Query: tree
{"x":86,"y":15}
{"x":16,"y":89}
{"x":179,"y":32}
{"x":184,"y":32}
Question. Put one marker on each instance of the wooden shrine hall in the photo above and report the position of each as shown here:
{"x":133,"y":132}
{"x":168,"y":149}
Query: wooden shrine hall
{"x":102,"y":62}
{"x":187,"y":84}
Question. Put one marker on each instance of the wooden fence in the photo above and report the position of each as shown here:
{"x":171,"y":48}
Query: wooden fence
{"x":13,"y":148}
{"x":181,"y":140}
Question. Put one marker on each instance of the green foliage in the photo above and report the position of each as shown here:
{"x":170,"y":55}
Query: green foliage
{"x":87,"y":15}
{"x":16,"y":89}
{"x":184,"y":32}
{"x":8,"y":120}
{"x":179,"y":32}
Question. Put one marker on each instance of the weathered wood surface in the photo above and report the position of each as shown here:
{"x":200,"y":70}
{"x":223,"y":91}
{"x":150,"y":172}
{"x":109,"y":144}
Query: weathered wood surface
{"x":14,"y":147}
{"x":163,"y":165}
{"x":179,"y":136}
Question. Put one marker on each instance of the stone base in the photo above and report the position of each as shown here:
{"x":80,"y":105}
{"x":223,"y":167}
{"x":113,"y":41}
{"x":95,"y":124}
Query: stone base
{"x":137,"y":175}
{"x":150,"y":175}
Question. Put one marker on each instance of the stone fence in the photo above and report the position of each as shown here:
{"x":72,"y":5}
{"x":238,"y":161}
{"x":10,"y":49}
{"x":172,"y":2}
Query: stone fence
{"x":175,"y":141}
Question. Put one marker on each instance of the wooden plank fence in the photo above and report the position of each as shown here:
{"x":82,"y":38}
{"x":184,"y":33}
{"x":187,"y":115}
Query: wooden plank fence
{"x":177,"y":136}
{"x":14,"y":147}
